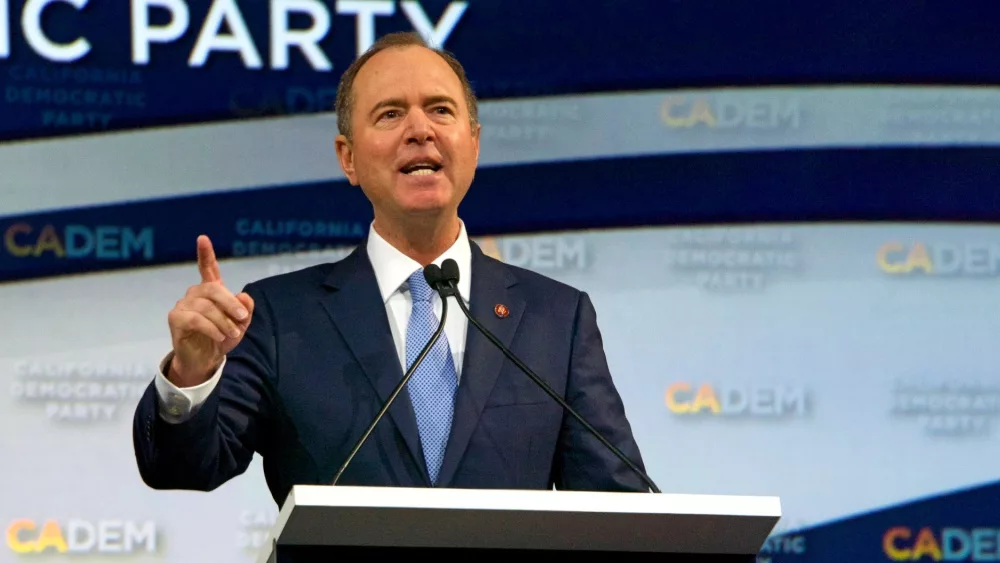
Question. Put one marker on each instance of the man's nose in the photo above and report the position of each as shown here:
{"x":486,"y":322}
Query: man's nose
{"x":419,"y":129}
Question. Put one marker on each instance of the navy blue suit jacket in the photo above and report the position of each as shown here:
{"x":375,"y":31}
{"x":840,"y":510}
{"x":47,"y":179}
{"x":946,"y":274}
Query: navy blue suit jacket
{"x":318,"y":361}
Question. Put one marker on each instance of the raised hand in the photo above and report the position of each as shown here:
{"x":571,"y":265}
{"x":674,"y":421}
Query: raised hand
{"x":206,"y":323}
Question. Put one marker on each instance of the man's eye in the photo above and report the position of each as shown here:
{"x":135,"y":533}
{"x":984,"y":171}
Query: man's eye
{"x":391,"y":114}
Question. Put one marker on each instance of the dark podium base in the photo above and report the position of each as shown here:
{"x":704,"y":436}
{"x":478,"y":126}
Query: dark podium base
{"x":325,"y":554}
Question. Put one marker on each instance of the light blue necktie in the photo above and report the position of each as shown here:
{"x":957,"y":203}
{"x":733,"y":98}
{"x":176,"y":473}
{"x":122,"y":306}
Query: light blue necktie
{"x":433,"y":385}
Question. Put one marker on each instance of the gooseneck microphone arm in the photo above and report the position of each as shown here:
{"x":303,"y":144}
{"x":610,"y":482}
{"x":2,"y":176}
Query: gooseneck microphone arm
{"x":447,"y":286}
{"x":432,"y":273}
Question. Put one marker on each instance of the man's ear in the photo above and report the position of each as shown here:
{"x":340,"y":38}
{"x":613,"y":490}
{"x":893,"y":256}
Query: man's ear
{"x":476,"y":135}
{"x":345,"y":155}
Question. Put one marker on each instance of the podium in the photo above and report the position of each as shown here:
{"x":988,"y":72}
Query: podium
{"x":322,"y":523}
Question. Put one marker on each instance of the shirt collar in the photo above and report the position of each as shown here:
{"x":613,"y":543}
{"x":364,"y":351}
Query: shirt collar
{"x":393,"y":268}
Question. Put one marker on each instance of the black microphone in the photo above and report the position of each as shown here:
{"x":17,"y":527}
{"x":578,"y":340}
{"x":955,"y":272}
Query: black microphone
{"x":432,"y":273}
{"x":448,"y":285}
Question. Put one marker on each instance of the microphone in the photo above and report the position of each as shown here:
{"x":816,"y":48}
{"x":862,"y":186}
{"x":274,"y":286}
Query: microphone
{"x":432,"y":273}
{"x":448,"y":285}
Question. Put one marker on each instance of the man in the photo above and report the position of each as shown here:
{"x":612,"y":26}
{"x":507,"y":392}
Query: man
{"x":297,"y":365}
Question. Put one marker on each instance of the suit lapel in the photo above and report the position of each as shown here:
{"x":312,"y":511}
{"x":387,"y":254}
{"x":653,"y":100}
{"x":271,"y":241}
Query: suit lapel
{"x":354,"y":295}
{"x":492,"y":284}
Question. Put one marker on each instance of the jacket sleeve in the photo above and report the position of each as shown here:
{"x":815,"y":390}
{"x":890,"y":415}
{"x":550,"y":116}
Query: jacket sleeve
{"x":218,"y":442}
{"x":582,"y":462}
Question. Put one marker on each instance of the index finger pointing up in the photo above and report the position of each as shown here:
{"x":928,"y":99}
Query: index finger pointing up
{"x":208,"y":266}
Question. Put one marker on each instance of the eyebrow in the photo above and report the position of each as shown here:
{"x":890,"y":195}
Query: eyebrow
{"x":399,"y":102}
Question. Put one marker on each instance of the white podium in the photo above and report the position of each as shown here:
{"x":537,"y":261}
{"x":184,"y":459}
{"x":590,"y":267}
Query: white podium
{"x":321,"y":523}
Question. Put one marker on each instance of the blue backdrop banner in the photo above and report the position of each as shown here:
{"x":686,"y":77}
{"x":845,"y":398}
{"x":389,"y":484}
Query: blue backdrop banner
{"x":72,"y":66}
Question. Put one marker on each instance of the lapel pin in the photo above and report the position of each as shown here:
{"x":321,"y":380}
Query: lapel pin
{"x":501,"y":310}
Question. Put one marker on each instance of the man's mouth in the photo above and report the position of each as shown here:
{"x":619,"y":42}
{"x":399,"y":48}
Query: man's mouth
{"x":425,"y":168}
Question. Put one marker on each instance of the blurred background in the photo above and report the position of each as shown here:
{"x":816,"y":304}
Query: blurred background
{"x":785,"y":213}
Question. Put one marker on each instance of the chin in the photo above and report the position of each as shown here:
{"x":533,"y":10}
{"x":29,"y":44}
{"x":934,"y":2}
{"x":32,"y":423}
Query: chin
{"x":426,"y":210}
{"x":426,"y":200}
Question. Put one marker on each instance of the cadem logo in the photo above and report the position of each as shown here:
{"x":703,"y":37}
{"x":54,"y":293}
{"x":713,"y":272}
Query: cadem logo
{"x":80,"y":536}
{"x":683,"y":398}
{"x":103,"y":242}
{"x":902,"y":543}
{"x":957,"y":260}
{"x":538,"y":253}
{"x":683,"y":112}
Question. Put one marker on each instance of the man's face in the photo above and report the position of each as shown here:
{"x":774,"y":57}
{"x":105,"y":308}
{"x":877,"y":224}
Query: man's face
{"x":414,"y":150}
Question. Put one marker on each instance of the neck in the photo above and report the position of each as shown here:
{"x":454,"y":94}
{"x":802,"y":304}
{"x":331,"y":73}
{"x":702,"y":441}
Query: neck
{"x":423,"y":241}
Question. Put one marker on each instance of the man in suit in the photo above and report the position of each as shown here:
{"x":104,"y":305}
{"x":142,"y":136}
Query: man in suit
{"x":296,"y":366}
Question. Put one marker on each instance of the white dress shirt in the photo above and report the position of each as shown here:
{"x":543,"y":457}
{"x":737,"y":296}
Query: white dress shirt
{"x":392,"y":270}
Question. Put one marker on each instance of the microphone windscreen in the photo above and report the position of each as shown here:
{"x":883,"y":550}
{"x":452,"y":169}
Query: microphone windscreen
{"x":432,"y":273}
{"x":449,"y":270}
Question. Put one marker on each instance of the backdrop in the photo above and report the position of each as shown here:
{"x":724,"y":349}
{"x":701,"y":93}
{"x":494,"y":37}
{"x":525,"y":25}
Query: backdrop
{"x":785,"y":215}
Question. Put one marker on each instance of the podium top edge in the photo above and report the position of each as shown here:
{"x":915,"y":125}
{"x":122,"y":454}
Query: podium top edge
{"x":527,"y":500}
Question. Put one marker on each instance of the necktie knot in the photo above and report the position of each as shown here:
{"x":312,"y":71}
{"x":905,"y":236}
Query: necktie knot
{"x":419,"y":290}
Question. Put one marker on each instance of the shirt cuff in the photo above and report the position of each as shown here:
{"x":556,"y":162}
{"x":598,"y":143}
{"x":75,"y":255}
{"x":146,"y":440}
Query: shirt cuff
{"x":177,"y":405}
